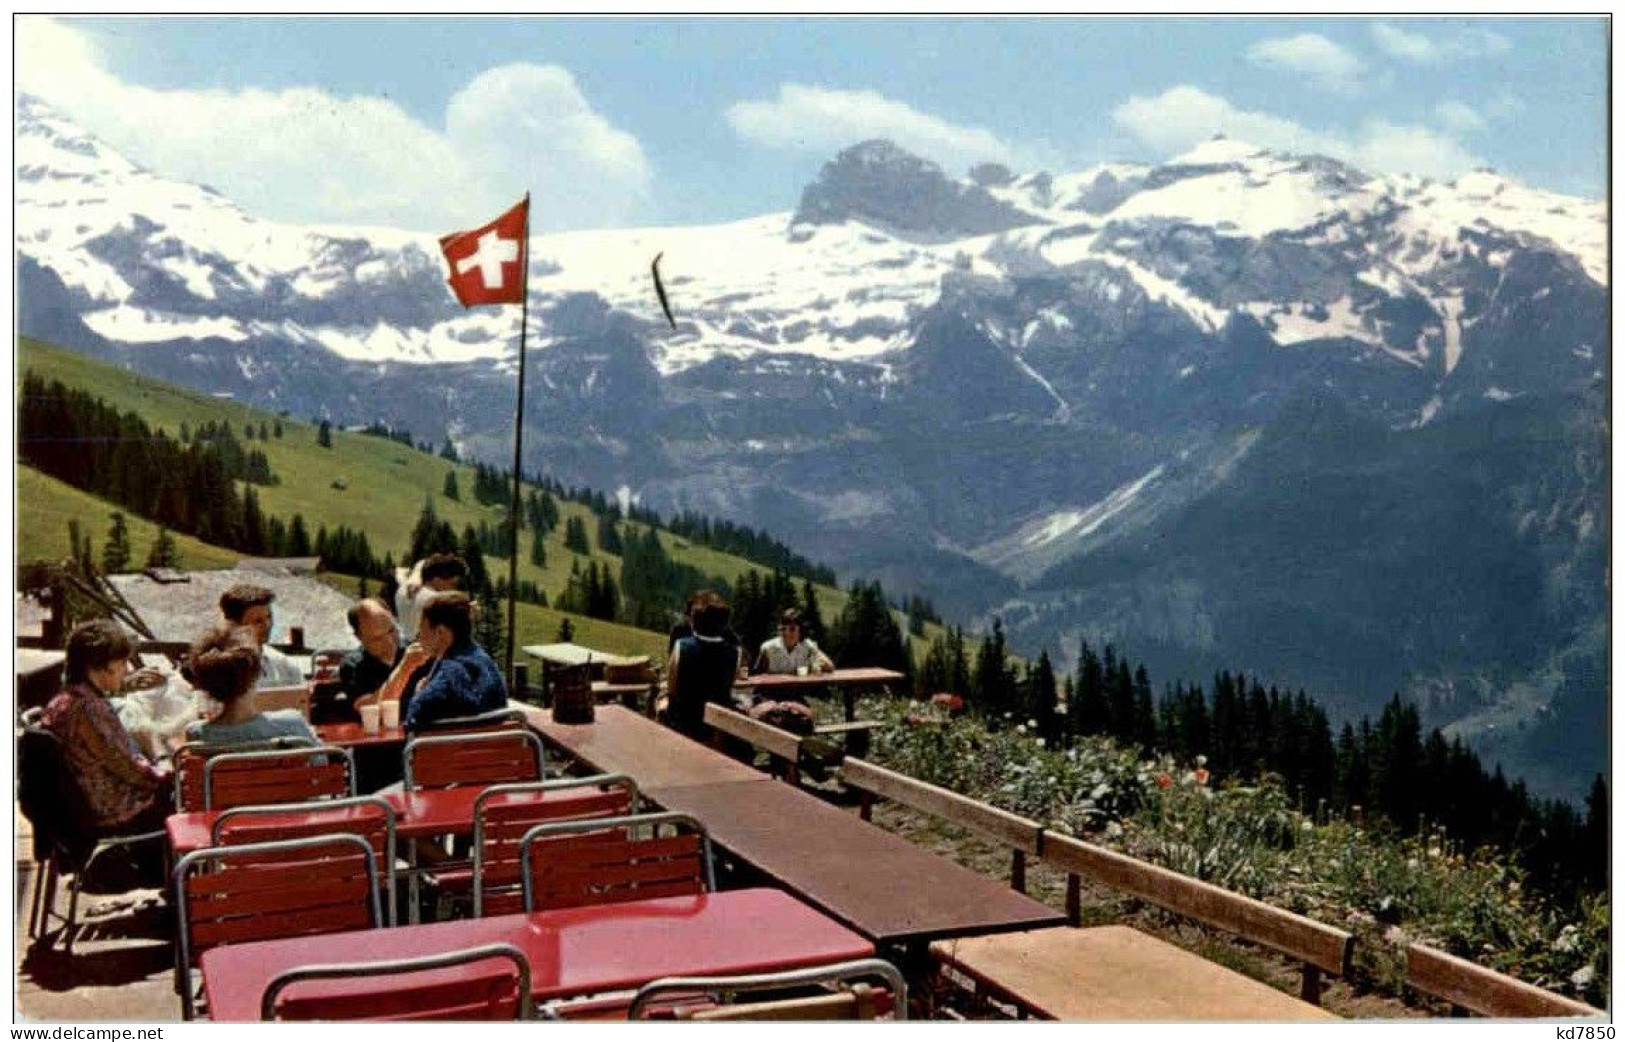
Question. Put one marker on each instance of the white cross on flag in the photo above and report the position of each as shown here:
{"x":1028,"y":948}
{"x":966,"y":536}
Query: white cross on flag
{"x":488,"y":263}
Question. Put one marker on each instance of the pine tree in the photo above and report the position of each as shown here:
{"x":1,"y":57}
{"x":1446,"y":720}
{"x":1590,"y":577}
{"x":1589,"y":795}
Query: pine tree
{"x":567,"y":630}
{"x":324,"y":435}
{"x":538,"y":552}
{"x":276,"y":427}
{"x":448,"y":451}
{"x":253,"y":522}
{"x":163,"y":553}
{"x":992,"y":686}
{"x":812,"y":619}
{"x":575,"y":536}
{"x":1041,"y":698}
{"x":609,"y":533}
{"x":298,"y":537}
{"x":116,"y":552}
{"x":1088,"y":709}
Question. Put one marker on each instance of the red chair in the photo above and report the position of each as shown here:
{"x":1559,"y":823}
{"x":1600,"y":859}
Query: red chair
{"x":503,"y":814}
{"x":264,"y":891}
{"x":370,"y":817}
{"x":410,"y":989}
{"x":188,"y":761}
{"x":442,"y":761}
{"x":835,"y":992}
{"x":609,"y":860}
{"x":292,"y":776}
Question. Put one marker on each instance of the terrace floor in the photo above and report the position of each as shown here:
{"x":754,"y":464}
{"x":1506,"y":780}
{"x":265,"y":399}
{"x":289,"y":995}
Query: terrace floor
{"x":122,"y":965}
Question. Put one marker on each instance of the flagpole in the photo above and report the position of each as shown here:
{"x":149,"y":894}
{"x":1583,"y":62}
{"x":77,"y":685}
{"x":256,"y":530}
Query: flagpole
{"x":518,"y":444}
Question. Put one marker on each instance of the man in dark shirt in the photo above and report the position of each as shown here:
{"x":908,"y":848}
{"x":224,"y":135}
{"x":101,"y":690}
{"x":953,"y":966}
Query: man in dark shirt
{"x":365,"y":669}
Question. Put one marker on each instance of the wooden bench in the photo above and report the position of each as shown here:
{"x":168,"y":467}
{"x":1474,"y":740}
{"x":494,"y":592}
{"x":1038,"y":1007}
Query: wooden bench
{"x":1469,"y":986}
{"x":1318,"y":946}
{"x":1022,"y":836}
{"x":783,"y":747}
{"x":1109,"y":973}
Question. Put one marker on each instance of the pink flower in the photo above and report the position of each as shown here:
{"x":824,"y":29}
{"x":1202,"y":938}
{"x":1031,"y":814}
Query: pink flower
{"x":1201,"y":775}
{"x":949,"y":701}
{"x":1164,"y":781}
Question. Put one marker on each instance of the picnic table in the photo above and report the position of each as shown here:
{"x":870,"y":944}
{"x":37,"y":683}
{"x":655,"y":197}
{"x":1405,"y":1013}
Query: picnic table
{"x":849,"y":682}
{"x":879,"y":884}
{"x":624,"y":742}
{"x":1114,"y":973}
{"x":571,"y":951}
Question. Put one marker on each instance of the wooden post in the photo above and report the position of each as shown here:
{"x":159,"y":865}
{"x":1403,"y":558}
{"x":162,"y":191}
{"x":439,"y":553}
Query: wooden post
{"x":1018,"y":871}
{"x":866,"y":806}
{"x":1074,"y":899}
{"x":521,"y":682}
{"x":1311,"y":984}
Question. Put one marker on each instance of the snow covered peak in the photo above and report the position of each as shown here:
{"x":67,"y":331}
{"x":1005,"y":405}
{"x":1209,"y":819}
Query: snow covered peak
{"x":1216,"y":151}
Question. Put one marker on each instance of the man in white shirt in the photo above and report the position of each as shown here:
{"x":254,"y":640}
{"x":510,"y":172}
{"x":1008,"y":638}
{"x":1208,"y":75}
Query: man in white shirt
{"x":437,"y":573}
{"x":249,"y":605}
{"x":789,"y":652}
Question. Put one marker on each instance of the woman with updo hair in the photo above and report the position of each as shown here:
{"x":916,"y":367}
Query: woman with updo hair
{"x":224,"y":665}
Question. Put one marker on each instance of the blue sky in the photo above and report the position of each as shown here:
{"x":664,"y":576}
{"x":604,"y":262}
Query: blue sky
{"x":417,"y":122}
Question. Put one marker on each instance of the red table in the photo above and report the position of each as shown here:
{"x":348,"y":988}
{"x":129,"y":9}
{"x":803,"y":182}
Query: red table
{"x":572,"y":951}
{"x":351,"y":735}
{"x":425,"y":812}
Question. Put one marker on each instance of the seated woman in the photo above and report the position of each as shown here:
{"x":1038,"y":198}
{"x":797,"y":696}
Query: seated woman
{"x":124,"y":791}
{"x":225,"y":665}
{"x":790,"y":652}
{"x":703,"y":667}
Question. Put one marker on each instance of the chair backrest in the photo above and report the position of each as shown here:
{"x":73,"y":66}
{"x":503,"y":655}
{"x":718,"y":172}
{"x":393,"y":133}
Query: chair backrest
{"x":294,"y":697}
{"x":278,"y":776}
{"x":188,"y":761}
{"x":477,"y":758}
{"x":495,"y":720}
{"x":608,"y":860}
{"x":370,"y":817}
{"x":264,"y":891}
{"x":496,"y":986}
{"x":504,"y":813}
{"x":49,"y":796}
{"x":839,"y":991}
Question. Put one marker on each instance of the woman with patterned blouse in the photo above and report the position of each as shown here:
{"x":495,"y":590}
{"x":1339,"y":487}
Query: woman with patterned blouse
{"x":123,"y":790}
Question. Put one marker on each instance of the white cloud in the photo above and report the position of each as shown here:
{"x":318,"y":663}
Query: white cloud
{"x":1426,"y":50}
{"x":824,"y":120}
{"x":1312,"y":55}
{"x":1184,"y":116}
{"x":1459,"y":117}
{"x":303,"y":154}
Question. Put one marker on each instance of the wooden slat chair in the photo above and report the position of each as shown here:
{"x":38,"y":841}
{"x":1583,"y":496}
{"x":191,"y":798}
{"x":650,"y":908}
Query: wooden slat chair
{"x":609,"y":860}
{"x":503,"y":814}
{"x":1023,"y":836}
{"x":293,"y":697}
{"x":443,"y":761}
{"x":295,"y":775}
{"x":370,"y":817}
{"x":188,"y":761}
{"x":410,"y":989}
{"x":839,"y":991}
{"x":1478,"y":989}
{"x":1318,"y":946}
{"x":264,"y":891}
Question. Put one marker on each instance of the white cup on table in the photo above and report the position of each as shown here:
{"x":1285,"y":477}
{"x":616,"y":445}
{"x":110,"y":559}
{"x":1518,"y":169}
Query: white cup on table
{"x":369,"y":718}
{"x":801,"y":671}
{"x":391,"y":713}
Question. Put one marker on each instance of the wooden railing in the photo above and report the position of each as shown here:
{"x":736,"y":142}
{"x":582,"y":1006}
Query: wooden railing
{"x":1318,"y":946}
{"x":1470,"y":986}
{"x":1022,"y":836}
{"x":784,"y":747}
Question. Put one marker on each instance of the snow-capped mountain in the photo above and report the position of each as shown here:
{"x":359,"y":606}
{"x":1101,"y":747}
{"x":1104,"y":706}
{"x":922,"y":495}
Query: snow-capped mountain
{"x":1004,"y":391}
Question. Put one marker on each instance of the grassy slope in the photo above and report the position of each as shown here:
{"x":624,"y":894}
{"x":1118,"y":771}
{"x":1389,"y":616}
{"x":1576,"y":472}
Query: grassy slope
{"x":387,"y":484}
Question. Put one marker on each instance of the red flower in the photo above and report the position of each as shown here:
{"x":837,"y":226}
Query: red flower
{"x":1164,"y":781}
{"x":951,"y":702}
{"x":1201,"y":775}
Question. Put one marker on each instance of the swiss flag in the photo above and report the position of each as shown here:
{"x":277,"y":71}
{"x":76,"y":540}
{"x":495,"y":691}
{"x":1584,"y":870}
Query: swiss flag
{"x":488,"y":263}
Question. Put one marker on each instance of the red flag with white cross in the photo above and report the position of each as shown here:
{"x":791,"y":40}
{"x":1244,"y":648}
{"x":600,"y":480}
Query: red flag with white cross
{"x":488,"y":263}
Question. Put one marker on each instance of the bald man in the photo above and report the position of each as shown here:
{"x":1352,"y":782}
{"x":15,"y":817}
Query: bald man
{"x":365,"y":669}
